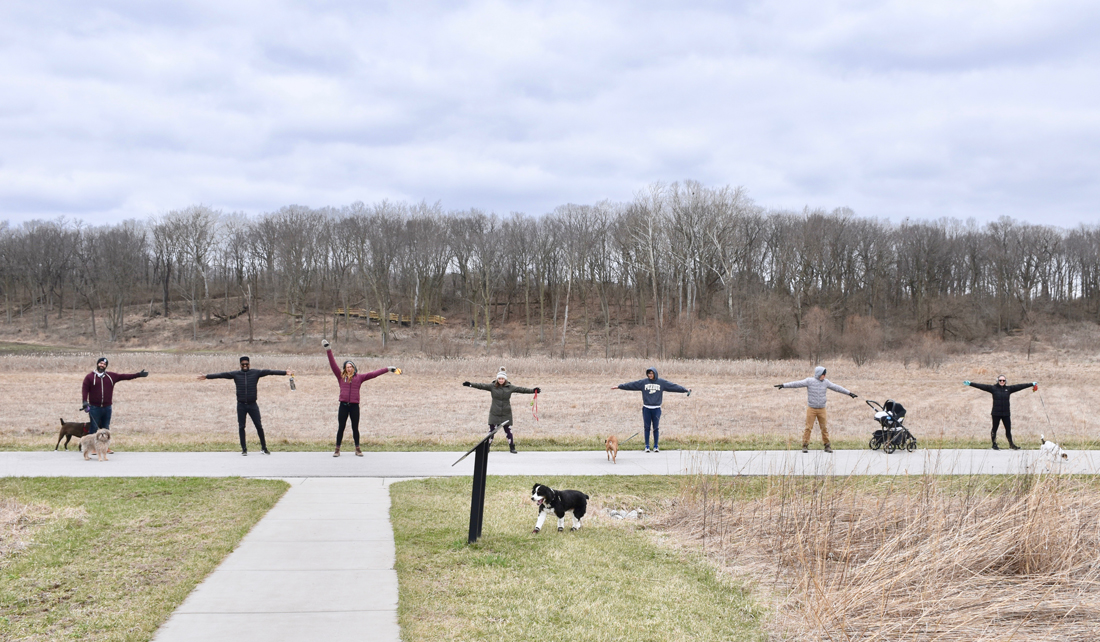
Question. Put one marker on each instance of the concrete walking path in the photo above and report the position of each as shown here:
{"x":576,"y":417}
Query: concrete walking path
{"x":632,"y":462}
{"x":318,"y":566}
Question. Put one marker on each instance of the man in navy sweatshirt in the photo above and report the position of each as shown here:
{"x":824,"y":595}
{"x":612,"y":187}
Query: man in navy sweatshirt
{"x":653,"y":392}
{"x":98,"y":393}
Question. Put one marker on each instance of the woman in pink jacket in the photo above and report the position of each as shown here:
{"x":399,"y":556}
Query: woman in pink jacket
{"x":350,"y":381}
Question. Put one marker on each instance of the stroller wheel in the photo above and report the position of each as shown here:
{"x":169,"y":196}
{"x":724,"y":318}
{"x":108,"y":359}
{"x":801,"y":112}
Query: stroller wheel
{"x":889,"y":447}
{"x":911,"y":445}
{"x":874,"y":444}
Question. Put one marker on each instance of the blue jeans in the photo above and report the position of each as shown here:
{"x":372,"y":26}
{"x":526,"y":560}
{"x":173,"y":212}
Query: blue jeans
{"x":100,"y":417}
{"x":651,"y":416}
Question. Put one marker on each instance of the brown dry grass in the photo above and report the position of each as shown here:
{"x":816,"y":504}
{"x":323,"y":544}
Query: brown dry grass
{"x":733,"y":402}
{"x":932,"y":559}
{"x":19,"y":522}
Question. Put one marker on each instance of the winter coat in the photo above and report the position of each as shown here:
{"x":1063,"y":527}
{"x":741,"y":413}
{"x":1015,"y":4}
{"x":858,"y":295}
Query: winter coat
{"x":501,"y":410}
{"x":1000,"y":396}
{"x":816,"y":388}
{"x":349,"y":390}
{"x":99,"y":391}
{"x":653,"y":392}
{"x":245,"y":381}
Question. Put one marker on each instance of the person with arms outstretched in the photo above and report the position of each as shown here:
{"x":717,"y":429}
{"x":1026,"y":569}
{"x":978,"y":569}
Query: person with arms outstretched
{"x":816,"y":388}
{"x":98,"y":394}
{"x":246,"y":380}
{"x":350,"y":381}
{"x":1001,"y":411}
{"x":500,"y":412}
{"x":653,"y":390}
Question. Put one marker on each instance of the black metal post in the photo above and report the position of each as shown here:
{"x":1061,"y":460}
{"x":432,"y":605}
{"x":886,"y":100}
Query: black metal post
{"x":477,"y":500}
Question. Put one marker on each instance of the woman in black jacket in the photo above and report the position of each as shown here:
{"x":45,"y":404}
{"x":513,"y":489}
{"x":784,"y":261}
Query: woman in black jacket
{"x":500,"y":412}
{"x":1001,"y":412}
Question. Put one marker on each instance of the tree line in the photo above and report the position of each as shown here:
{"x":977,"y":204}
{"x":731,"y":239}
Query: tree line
{"x":676,"y":260}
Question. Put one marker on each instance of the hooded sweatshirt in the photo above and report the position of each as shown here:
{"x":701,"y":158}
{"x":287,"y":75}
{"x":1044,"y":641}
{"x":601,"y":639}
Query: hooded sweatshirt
{"x":815,"y":389}
{"x":653,"y":392}
{"x":98,"y":390}
{"x":349,"y":390}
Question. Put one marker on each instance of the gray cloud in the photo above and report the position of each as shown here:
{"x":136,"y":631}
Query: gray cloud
{"x":128,"y":109}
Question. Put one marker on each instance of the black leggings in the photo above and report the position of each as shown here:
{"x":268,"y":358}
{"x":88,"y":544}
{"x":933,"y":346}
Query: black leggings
{"x":507,"y":433}
{"x":1008,"y":428}
{"x":252,"y":410}
{"x":348,"y":409}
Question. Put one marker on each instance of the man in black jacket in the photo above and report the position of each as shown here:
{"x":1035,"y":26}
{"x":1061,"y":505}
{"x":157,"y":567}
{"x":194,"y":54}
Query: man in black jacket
{"x":246,"y":380}
{"x":1001,"y":412}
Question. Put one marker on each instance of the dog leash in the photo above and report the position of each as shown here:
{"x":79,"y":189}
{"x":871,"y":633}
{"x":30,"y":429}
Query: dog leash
{"x":630,"y":437}
{"x":535,"y":405}
{"x":1049,"y":424}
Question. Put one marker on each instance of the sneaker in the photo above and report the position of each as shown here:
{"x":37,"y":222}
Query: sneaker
{"x":266,"y":451}
{"x":805,"y":448}
{"x":1014,"y":446}
{"x":512,"y":449}
{"x":828,"y":448}
{"x":656,"y":449}
{"x":244,"y":453}
{"x":647,"y":448}
{"x":995,"y":446}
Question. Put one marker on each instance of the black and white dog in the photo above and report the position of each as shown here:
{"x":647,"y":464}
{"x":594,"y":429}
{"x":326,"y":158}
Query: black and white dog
{"x":559,"y":502}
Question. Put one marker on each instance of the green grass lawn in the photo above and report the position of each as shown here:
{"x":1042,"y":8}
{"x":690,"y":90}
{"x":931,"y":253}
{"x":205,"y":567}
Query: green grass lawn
{"x":119,"y":571}
{"x":609,"y":581}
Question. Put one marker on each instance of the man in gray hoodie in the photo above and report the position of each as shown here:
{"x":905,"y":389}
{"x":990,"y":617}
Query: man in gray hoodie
{"x":816,"y":387}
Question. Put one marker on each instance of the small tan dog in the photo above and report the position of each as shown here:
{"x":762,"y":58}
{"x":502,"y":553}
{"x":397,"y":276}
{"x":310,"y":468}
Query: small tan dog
{"x":611,"y":445}
{"x":100,"y":441}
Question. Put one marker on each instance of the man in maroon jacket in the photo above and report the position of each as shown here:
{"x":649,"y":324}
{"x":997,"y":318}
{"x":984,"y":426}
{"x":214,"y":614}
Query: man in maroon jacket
{"x":99,"y":387}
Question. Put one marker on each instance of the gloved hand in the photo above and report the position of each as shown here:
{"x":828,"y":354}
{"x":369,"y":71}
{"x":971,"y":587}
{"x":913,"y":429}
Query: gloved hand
{"x":466,"y":383}
{"x":966,"y":383}
{"x":324,"y":343}
{"x":391,"y":368}
{"x":778,"y":385}
{"x":852,"y":395}
{"x":538,"y":390}
{"x":85,"y":406}
{"x":689,"y":392}
{"x":143,"y":373}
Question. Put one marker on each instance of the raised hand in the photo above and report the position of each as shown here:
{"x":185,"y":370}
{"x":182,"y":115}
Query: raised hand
{"x":324,"y":343}
{"x":391,"y":368}
{"x":538,"y":390}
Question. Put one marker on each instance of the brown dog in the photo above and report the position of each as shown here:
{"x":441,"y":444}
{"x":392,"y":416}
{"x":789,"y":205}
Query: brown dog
{"x":100,"y":441}
{"x":70,"y":429}
{"x":611,"y":445}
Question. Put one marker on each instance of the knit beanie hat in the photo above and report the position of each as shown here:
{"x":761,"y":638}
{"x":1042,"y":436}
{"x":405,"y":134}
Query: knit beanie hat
{"x":245,"y":358}
{"x":353,"y":366}
{"x":102,"y":360}
{"x":502,"y":373}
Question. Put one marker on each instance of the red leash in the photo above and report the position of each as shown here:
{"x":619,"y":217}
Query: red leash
{"x":535,"y":403}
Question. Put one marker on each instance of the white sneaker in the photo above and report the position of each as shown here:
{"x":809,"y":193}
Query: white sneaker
{"x":647,"y":448}
{"x":656,"y":450}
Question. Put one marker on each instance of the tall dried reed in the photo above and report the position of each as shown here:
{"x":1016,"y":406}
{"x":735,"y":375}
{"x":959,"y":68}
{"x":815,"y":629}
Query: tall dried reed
{"x":926,"y":559}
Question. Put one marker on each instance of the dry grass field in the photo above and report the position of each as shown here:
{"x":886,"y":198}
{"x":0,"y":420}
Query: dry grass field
{"x":946,"y":559}
{"x":732,"y":405}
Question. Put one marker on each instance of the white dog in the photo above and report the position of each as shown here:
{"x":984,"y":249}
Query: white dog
{"x":1052,"y":451}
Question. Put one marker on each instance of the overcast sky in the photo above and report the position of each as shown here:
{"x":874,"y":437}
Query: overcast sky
{"x":127,"y":109}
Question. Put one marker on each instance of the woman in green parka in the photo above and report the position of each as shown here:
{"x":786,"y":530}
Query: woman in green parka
{"x":501,"y":410}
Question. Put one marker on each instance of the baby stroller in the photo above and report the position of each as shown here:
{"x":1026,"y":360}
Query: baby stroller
{"x":892,"y":434}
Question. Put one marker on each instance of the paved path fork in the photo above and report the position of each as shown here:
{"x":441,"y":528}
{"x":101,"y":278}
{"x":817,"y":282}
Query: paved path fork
{"x":318,"y":566}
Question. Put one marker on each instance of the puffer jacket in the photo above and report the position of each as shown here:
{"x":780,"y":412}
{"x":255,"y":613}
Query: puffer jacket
{"x":816,"y":388}
{"x":1000,"y":396}
{"x":246,"y":381}
{"x":349,"y":389}
{"x":501,"y":409}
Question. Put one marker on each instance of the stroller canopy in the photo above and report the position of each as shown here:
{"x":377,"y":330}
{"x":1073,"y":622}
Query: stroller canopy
{"x":894,"y":408}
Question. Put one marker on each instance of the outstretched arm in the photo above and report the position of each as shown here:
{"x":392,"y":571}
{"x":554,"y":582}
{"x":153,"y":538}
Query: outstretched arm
{"x":837,"y":388}
{"x":220,"y":375}
{"x":268,"y":373}
{"x":371,"y":375}
{"x":801,"y":383}
{"x":332,"y":364}
{"x":481,"y":386}
{"x":524,"y":391}
{"x":1018,"y":387}
{"x":674,"y":387}
{"x":634,"y":385}
{"x":126,"y":377}
{"x":982,"y":386}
